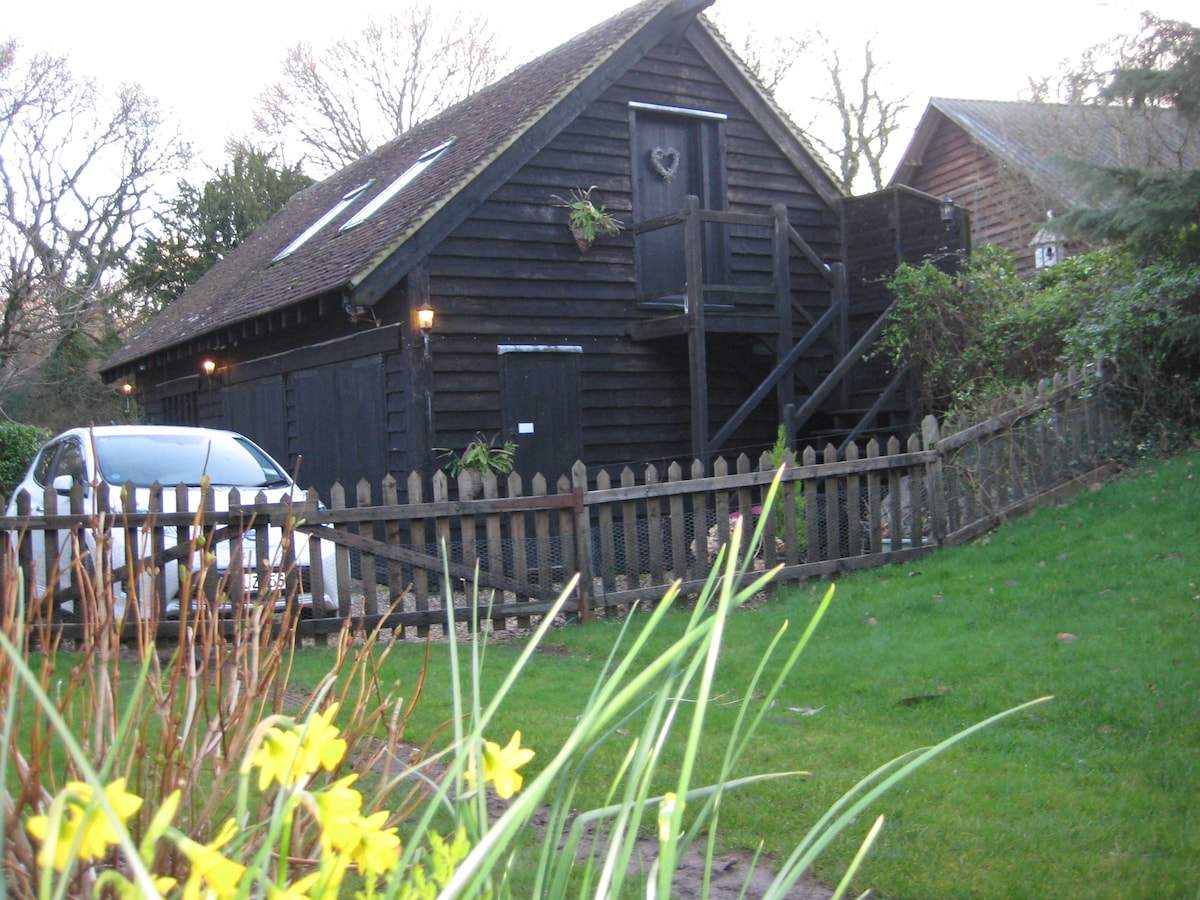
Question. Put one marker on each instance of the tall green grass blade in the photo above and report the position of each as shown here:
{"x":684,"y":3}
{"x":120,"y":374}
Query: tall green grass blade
{"x":859,"y":857}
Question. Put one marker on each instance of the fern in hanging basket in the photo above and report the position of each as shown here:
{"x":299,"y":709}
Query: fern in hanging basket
{"x":482,"y":455}
{"x":586,"y":218}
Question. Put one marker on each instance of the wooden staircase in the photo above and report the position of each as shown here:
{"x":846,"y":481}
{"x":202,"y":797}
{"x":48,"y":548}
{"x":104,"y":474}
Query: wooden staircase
{"x":767,"y":304}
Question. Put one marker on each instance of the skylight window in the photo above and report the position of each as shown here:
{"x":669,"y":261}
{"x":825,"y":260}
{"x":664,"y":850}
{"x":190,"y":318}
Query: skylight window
{"x":316,"y":226}
{"x":426,"y":159}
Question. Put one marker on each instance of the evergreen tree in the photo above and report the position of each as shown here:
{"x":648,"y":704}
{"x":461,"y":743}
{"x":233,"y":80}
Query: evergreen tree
{"x":206,"y":223}
{"x":1157,"y":212}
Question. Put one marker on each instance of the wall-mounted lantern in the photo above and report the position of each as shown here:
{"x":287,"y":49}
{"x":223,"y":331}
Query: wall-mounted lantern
{"x":425,"y":318}
{"x":208,"y":367}
{"x":425,"y":323}
{"x":127,"y":390}
{"x":947,"y":209}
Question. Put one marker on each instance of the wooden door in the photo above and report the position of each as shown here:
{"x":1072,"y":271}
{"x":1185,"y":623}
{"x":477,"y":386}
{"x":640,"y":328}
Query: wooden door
{"x":674,"y":156}
{"x":340,"y":428}
{"x":540,"y":400}
{"x":258,"y":409}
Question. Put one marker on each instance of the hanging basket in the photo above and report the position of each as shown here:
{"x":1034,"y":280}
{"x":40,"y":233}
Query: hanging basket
{"x":581,"y":239}
{"x":470,"y":484}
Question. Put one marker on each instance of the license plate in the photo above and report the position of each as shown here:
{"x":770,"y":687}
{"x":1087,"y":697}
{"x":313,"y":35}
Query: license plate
{"x":276,"y":581}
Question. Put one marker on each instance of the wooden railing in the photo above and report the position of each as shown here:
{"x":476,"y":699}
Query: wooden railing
{"x":627,"y":535}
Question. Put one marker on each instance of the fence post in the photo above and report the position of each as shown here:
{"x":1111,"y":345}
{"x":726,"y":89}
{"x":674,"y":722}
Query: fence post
{"x":520,"y":540}
{"x":420,"y":576}
{"x":679,"y":567}
{"x":808,"y":458}
{"x":833,"y":524}
{"x":770,"y":532}
{"x":699,"y":525}
{"x":316,"y":572}
{"x":392,"y":536}
{"x":370,"y":576}
{"x":854,"y":516}
{"x":441,"y":532}
{"x":583,"y":541}
{"x":633,"y":550}
{"x":341,"y":554}
{"x":874,"y":502}
{"x":933,"y":482}
{"x":235,"y":578}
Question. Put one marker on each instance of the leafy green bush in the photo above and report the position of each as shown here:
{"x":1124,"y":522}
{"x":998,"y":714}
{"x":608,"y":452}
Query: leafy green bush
{"x":1147,"y":324}
{"x":955,"y":327}
{"x":984,"y":332}
{"x":19,"y":444}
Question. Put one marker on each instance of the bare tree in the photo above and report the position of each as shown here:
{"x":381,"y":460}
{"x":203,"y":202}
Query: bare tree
{"x":1082,"y":80}
{"x":771,"y":59}
{"x":342,"y":102}
{"x":853,"y":122}
{"x":866,"y":119}
{"x":78,"y":169}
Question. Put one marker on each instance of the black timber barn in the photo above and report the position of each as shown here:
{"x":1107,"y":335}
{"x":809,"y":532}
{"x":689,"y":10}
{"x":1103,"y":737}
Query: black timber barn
{"x":722,"y":308}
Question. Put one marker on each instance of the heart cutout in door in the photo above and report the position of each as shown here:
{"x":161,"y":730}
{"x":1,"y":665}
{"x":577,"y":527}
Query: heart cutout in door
{"x":665,"y":162}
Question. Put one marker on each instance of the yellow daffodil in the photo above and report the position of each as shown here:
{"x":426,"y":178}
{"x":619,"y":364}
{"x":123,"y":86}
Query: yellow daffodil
{"x":209,"y":866}
{"x":369,"y":845}
{"x":500,"y":766}
{"x":276,"y":758}
{"x":362,"y":839}
{"x":337,"y":808}
{"x":291,"y":753}
{"x":298,"y":890}
{"x":96,"y":832}
{"x":666,"y":810}
{"x":320,"y":744}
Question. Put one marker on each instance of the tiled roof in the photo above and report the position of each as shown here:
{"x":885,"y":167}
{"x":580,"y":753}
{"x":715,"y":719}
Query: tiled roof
{"x":1042,"y":139}
{"x":247,"y":284}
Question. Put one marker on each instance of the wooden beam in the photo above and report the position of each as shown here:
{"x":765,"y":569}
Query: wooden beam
{"x":839,"y":372}
{"x":782,"y":368}
{"x":697,"y":353}
{"x":782,"y":277}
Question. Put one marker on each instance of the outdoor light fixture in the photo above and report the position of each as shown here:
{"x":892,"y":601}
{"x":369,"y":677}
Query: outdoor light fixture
{"x":425,"y":318}
{"x":425,"y":323}
{"x":947,"y":209}
{"x":127,"y":390}
{"x":208,"y":367}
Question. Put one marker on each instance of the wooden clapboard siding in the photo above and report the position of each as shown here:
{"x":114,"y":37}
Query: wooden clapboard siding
{"x":1006,"y":208}
{"x":510,"y":273}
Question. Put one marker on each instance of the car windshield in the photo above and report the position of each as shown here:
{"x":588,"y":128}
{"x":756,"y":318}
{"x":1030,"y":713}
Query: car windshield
{"x":179,"y":458}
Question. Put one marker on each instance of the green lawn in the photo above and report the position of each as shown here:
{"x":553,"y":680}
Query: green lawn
{"x":1094,"y":794}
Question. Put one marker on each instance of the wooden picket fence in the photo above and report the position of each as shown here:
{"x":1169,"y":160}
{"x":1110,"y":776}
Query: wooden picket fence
{"x":393,"y":559}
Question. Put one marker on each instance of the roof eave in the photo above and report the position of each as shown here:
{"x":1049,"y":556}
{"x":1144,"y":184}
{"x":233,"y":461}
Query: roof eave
{"x":367,"y":286}
{"x":914,"y":153}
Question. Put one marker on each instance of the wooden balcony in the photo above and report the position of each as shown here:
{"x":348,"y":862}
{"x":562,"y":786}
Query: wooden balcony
{"x":720,"y":295}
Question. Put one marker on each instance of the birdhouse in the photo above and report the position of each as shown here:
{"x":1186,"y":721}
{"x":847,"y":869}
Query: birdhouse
{"x":1048,"y":245}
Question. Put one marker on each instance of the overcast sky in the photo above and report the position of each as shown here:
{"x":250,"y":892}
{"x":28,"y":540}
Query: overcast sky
{"x":208,"y":61}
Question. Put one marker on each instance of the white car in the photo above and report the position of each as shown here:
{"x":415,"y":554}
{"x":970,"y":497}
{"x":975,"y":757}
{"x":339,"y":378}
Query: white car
{"x":169,"y":455}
